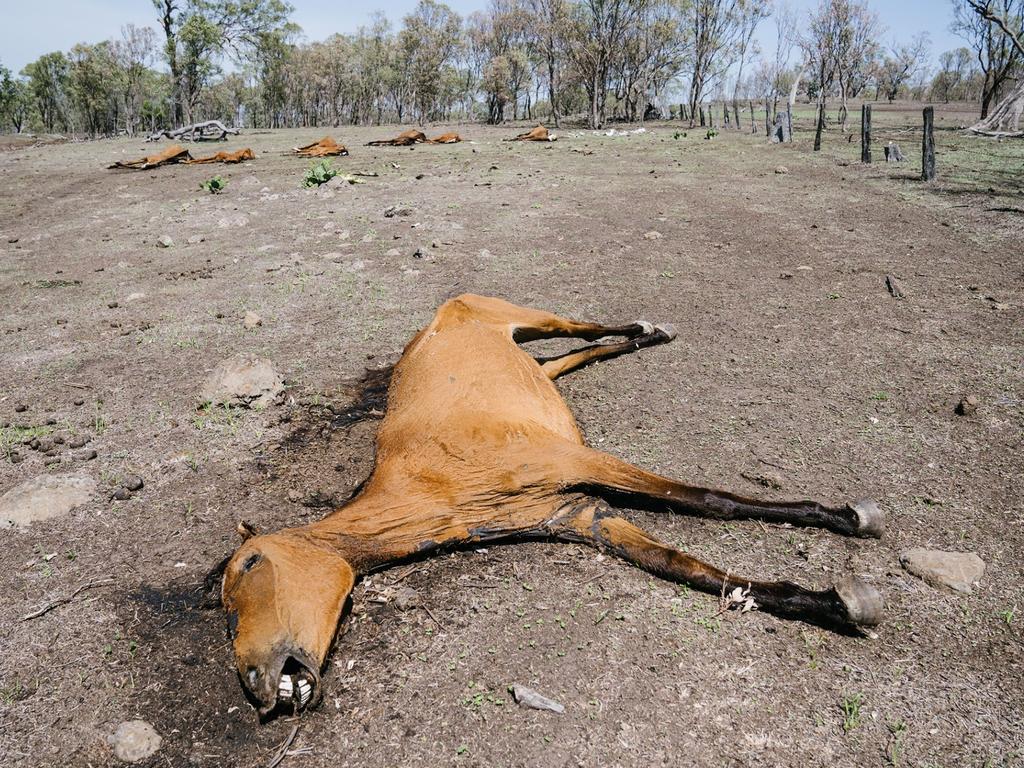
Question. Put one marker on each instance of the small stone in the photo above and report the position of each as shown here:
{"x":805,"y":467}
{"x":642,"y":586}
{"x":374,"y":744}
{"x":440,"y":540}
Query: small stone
{"x":20,"y":408}
{"x":121,"y":494}
{"x":86,"y":454}
{"x":133,"y":483}
{"x":78,"y":441}
{"x":396,"y":210}
{"x":251,"y":320}
{"x":957,"y":570}
{"x":164,"y":241}
{"x":653,"y":235}
{"x":242,"y":380}
{"x":527,"y":697}
{"x":134,"y":740}
{"x":112,"y":305}
{"x":195,"y":239}
{"x":406,"y":599}
{"x":781,"y":170}
{"x":79,"y":401}
{"x":420,"y":176}
{"x":967,"y":406}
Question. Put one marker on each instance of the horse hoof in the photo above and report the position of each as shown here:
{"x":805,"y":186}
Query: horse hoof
{"x":870,"y":518}
{"x":863,"y":602}
{"x":668,"y":329}
{"x":646,"y":329}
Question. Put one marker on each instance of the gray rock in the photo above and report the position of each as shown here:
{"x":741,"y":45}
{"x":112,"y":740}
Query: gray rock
{"x":195,"y":239}
{"x":134,"y":740}
{"x":406,"y":599}
{"x":527,"y":697}
{"x":243,"y":380}
{"x":781,"y":170}
{"x":133,"y":483}
{"x":957,"y":570}
{"x":165,"y":241}
{"x":44,"y":497}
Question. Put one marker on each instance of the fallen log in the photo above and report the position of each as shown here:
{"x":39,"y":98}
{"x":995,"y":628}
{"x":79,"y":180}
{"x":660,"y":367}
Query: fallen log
{"x":209,"y":130}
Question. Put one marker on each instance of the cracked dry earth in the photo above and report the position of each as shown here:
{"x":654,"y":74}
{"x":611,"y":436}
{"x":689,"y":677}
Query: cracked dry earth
{"x":795,"y":374}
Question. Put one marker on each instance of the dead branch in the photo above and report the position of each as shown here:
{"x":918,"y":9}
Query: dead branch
{"x":282,"y":751}
{"x":63,"y":600}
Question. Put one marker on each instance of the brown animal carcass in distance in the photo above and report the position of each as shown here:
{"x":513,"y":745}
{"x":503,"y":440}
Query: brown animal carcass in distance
{"x":224,"y":157}
{"x":445,"y":138}
{"x":404,"y":139}
{"x":173,"y":154}
{"x":478,"y":445}
{"x":326,"y":147}
{"x":540,"y":133}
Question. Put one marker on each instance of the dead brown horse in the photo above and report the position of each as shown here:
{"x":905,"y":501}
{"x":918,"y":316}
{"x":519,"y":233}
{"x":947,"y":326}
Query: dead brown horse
{"x":326,"y":147}
{"x":445,"y":138}
{"x":540,"y":133}
{"x":404,"y":139}
{"x":239,"y":156}
{"x":477,"y":445}
{"x":172,"y":155}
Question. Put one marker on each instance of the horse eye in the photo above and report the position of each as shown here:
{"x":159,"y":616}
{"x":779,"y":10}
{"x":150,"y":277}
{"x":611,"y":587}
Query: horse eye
{"x":250,"y":562}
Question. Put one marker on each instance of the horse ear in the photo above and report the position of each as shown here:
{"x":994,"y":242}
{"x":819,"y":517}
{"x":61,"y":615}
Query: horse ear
{"x":245,"y":529}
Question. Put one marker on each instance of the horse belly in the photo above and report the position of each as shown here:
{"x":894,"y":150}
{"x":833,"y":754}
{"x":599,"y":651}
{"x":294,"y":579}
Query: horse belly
{"x":476,"y":373}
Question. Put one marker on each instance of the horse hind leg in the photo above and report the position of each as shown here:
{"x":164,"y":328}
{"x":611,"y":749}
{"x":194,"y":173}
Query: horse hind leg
{"x":849,"y":603}
{"x":571,"y":361}
{"x":528,"y":324}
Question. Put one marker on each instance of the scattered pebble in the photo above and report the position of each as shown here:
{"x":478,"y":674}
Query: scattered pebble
{"x":653,"y":235}
{"x":112,"y":305}
{"x":134,"y":740}
{"x":79,"y":401}
{"x":195,"y":239}
{"x":20,"y":408}
{"x":781,"y":170}
{"x":164,"y":241}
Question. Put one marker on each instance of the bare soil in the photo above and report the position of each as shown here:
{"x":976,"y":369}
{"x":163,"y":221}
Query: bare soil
{"x":794,"y":367}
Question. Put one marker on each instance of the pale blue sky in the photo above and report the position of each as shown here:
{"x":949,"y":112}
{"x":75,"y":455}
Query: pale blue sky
{"x":30,"y":29}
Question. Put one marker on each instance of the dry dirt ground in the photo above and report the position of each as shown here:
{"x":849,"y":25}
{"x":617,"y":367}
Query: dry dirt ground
{"x":794,"y":367}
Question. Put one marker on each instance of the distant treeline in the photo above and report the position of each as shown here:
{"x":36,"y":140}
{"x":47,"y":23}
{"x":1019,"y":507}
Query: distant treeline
{"x":243,"y":62}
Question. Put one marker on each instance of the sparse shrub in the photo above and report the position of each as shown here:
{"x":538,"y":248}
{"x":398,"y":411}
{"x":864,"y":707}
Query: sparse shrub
{"x":319,"y":174}
{"x":712,"y":132}
{"x":214,"y":186}
{"x":679,"y":135}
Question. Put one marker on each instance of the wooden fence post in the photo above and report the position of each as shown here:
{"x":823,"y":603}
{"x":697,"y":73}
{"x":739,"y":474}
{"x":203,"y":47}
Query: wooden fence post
{"x":865,"y":133}
{"x":928,"y":145}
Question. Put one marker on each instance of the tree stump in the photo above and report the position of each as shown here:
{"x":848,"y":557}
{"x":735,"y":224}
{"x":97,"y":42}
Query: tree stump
{"x":928,"y":145}
{"x":893,"y":154}
{"x":780,"y":131}
{"x":865,"y":133}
